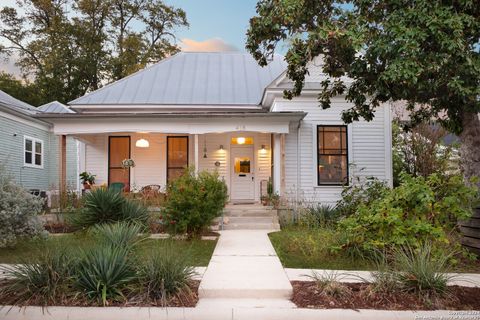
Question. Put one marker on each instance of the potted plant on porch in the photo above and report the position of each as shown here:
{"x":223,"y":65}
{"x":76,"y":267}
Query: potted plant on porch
{"x":88,"y":179}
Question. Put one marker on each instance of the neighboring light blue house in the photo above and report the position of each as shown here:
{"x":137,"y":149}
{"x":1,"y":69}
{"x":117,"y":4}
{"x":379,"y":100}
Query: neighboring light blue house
{"x":29,"y":149}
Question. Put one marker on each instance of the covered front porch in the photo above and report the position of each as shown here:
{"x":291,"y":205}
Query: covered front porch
{"x":246,"y":150}
{"x":242,"y":159}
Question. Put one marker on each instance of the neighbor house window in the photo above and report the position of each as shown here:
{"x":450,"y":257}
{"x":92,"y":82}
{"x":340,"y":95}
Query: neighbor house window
{"x":332,"y":160}
{"x":33,"y":152}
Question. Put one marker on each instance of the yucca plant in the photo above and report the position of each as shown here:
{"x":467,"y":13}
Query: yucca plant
{"x":134,"y":212}
{"x":121,"y":234}
{"x":329,"y":283}
{"x":319,"y":215}
{"x":108,"y":206}
{"x":420,"y":271}
{"x":104,"y":272}
{"x":165,"y":273}
{"x":39,"y":282}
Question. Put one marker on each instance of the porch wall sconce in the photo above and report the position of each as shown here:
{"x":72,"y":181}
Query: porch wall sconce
{"x":205,"y":148}
{"x":142,"y":143}
{"x":221,"y":147}
{"x":263,"y":147}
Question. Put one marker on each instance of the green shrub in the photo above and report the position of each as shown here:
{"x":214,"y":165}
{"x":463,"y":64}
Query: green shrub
{"x":121,"y":234}
{"x":194,"y":201}
{"x":105,"y":205}
{"x":41,"y":282}
{"x":104,"y":272}
{"x":165,"y":273}
{"x":18,"y":210}
{"x":360,"y":194}
{"x":419,"y":210}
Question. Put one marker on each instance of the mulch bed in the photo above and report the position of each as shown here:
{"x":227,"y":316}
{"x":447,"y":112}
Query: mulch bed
{"x":188,"y":299}
{"x":360,"y":296}
{"x":58,"y":228}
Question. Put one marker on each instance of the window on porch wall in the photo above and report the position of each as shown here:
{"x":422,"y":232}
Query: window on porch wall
{"x":177,"y":156}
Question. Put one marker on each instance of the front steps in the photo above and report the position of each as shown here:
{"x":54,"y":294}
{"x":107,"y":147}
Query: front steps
{"x":249,"y":217}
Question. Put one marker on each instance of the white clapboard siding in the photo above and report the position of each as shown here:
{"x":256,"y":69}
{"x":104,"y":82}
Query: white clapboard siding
{"x":150,"y":163}
{"x":369,"y":148}
{"x":96,"y":158}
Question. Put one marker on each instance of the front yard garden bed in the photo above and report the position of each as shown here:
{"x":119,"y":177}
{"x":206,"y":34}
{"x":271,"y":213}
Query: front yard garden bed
{"x":306,"y":294}
{"x":198,"y":252}
{"x":188,"y":298}
{"x":311,"y":248}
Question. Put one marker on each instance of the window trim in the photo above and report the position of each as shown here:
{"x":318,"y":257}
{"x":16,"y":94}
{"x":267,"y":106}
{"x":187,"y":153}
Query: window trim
{"x":347,"y":155}
{"x":166,"y":155}
{"x":42,"y":154}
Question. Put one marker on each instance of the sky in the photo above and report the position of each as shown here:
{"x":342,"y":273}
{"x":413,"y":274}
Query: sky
{"x":215,"y":25}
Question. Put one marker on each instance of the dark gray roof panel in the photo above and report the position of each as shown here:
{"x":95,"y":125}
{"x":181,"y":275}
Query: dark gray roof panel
{"x":198,"y":78}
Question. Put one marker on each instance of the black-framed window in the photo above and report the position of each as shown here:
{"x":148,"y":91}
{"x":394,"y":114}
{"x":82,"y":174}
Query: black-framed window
{"x":332,"y":158}
{"x":177,"y":156}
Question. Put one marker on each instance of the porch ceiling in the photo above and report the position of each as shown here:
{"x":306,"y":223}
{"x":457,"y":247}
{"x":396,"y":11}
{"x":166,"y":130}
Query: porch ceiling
{"x":191,"y":123}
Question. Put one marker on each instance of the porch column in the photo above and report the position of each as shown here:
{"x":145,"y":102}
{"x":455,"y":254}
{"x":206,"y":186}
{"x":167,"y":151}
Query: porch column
{"x":276,"y":164}
{"x":62,"y":165}
{"x":195,"y":153}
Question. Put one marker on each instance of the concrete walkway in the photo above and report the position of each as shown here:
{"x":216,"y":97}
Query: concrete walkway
{"x":245,"y":272}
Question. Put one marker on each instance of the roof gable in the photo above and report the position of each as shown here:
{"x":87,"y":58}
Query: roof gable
{"x":191,"y":78}
{"x":55,"y":107}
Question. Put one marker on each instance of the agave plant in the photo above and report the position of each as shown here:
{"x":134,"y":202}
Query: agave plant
{"x":104,"y":272}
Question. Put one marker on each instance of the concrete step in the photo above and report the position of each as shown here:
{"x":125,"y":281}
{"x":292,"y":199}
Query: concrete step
{"x":253,"y":220}
{"x":251,"y":226}
{"x":214,"y":303}
{"x":249,"y":213}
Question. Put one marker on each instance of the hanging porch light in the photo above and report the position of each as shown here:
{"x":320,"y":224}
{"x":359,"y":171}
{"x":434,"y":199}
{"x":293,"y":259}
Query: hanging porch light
{"x":142,"y":143}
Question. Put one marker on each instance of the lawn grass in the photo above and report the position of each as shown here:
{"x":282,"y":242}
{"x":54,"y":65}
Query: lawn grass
{"x":308,"y":248}
{"x":198,"y":252}
{"x":311,"y":248}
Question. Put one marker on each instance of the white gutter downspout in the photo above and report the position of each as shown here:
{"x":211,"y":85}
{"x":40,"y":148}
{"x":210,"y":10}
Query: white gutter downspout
{"x":298,"y":168}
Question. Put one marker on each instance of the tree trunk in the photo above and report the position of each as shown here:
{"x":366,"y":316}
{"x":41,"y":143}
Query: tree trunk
{"x":470,"y":145}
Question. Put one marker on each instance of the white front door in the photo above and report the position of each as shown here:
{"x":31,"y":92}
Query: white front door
{"x":243,"y":176}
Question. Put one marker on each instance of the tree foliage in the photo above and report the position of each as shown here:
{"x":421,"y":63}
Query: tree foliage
{"x":70,"y":47}
{"x":424,"y":52}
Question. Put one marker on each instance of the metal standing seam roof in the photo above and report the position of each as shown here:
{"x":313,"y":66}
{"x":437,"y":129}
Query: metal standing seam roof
{"x":192,"y":78}
{"x":10,"y":102}
{"x":55,"y":107}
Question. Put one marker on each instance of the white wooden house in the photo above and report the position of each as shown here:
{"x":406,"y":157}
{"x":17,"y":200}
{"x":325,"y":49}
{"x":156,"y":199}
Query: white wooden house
{"x":221,"y":111}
